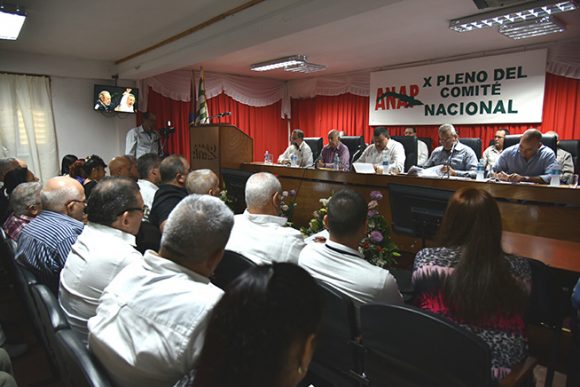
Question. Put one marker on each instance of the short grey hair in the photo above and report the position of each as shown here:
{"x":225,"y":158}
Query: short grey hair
{"x":448,"y":128}
{"x":23,"y":196}
{"x":332,"y":133}
{"x":55,"y":200}
{"x":201,"y":181}
{"x":260,"y":188}
{"x":197,"y":227}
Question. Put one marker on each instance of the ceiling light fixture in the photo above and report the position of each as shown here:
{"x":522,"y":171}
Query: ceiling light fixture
{"x":296,"y":63}
{"x":11,"y":21}
{"x":528,"y":28}
{"x":520,"y":13}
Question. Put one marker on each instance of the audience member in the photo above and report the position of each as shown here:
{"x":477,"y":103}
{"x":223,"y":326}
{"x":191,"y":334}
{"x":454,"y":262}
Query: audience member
{"x":45,"y":243}
{"x":151,"y":320}
{"x":77,"y":171}
{"x":12,"y":179}
{"x":259,"y":233}
{"x":281,"y":302}
{"x":384,"y":149}
{"x":203,"y":182}
{"x":339,"y":263}
{"x":564,"y":159}
{"x":491,"y":154}
{"x":149,"y":178}
{"x":529,"y":161}
{"x":333,"y":148}
{"x":25,"y":205}
{"x":102,"y":250}
{"x":67,"y":161}
{"x":6,"y":165}
{"x":457,"y":159}
{"x":422,"y":149}
{"x":6,"y":378}
{"x":120,"y":166}
{"x":94,"y":168}
{"x":144,"y":139}
{"x":299,"y":148}
{"x":473,"y":282}
{"x":173,"y":170}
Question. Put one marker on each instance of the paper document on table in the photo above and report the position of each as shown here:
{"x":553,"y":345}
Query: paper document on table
{"x":426,"y":172}
{"x":363,"y":167}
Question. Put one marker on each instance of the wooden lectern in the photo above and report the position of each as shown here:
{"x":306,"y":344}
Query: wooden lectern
{"x":218,"y":146}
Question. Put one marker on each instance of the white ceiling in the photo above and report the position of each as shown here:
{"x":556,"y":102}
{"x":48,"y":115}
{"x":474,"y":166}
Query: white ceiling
{"x":344,"y":35}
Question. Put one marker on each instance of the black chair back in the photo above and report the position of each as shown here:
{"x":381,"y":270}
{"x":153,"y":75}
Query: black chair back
{"x":473,"y":143}
{"x":52,"y":319}
{"x":315,"y":144}
{"x":572,"y":146}
{"x":231,"y":266}
{"x":406,"y":346}
{"x":82,"y":369}
{"x":337,"y":352}
{"x":410,"y":145}
{"x":547,"y":140}
{"x":235,"y":180}
{"x":354,"y":144}
{"x":429,"y":142}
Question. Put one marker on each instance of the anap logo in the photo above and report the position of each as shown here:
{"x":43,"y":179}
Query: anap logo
{"x":393,"y":98}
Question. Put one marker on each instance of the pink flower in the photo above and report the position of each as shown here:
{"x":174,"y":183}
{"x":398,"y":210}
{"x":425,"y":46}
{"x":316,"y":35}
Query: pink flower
{"x":376,"y":195}
{"x":373,"y":204}
{"x":376,"y":237}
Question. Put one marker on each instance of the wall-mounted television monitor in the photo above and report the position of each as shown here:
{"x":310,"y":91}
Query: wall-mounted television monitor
{"x":115,"y":99}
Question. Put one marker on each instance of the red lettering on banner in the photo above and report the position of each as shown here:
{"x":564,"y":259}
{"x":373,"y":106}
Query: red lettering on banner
{"x":380,"y":104}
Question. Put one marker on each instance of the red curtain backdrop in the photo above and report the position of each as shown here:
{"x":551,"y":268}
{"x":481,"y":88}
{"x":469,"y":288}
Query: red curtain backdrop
{"x":263,"y":124}
{"x":350,"y":113}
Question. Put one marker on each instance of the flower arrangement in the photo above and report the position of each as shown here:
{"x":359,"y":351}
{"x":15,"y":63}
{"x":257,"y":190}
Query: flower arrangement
{"x":316,"y":224}
{"x":377,"y":246}
{"x":225,"y":198}
{"x":287,"y":206}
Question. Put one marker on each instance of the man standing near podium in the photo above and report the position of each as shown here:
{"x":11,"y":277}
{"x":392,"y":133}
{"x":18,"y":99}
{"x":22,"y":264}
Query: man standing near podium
{"x":144,"y":139}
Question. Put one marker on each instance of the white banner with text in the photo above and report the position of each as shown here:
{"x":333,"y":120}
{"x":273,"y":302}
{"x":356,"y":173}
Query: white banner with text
{"x":491,"y":90}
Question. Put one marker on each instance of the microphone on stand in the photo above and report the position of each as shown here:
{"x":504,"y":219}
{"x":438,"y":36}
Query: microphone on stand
{"x":448,"y":163}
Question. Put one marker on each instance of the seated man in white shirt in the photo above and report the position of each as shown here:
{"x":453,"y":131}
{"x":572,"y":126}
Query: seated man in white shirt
{"x":384,"y":149}
{"x":149,"y":178}
{"x":564,"y":159}
{"x":299,"y":148}
{"x":151,"y":320}
{"x":422,"y":150}
{"x":339,"y":263}
{"x":104,"y":248}
{"x":259,"y":233}
{"x":203,"y":182}
{"x":492,"y":152}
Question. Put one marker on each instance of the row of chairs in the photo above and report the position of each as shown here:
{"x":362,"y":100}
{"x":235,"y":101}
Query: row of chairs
{"x":356,"y":146}
{"x":68,"y":355}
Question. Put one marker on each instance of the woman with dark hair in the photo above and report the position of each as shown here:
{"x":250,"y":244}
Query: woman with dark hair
{"x":94,"y":168}
{"x":67,"y":161}
{"x":12,"y":179}
{"x":473,"y":282}
{"x":261,"y":333}
{"x":77,"y":171}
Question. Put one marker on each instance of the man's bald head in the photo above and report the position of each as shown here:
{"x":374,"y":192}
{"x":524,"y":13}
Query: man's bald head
{"x":530,"y":142}
{"x":120,"y":166}
{"x":202,"y":182}
{"x":59,"y":192}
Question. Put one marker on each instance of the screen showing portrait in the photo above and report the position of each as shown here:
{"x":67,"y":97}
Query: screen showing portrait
{"x":115,"y":99}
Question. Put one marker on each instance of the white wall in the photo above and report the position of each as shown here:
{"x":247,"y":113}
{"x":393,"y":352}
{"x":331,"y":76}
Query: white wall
{"x":79,"y":129}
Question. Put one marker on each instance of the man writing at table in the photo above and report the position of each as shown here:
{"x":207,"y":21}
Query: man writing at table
{"x":299,"y":148}
{"x":457,"y":159}
{"x":529,"y":161}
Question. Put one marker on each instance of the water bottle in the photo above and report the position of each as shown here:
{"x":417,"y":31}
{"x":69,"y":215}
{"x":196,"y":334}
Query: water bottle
{"x":386,"y":164}
{"x":293,"y":160}
{"x":555,"y":176}
{"x":267,"y":158}
{"x":336,"y":163}
{"x":480,"y":170}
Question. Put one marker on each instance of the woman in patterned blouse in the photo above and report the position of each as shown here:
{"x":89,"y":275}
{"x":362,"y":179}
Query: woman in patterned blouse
{"x":471,"y":281}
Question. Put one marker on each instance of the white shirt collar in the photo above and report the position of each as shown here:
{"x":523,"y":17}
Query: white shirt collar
{"x":337,"y":246}
{"x":264,"y":219}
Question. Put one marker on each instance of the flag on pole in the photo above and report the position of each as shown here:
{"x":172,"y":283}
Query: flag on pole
{"x":193,"y":107}
{"x":202,"y":116}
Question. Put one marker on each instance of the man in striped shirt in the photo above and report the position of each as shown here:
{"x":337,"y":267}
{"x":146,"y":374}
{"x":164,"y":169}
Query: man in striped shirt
{"x":45,"y":243}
